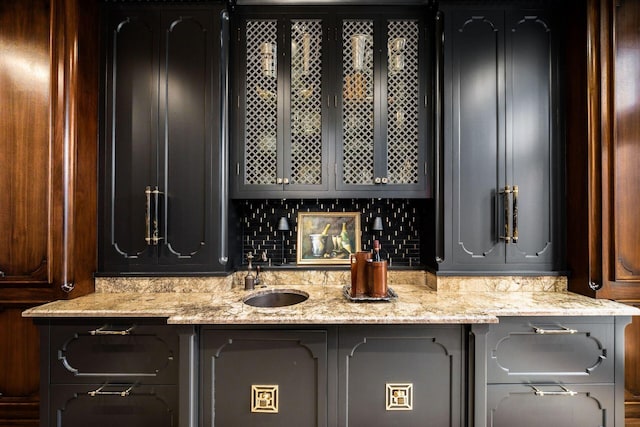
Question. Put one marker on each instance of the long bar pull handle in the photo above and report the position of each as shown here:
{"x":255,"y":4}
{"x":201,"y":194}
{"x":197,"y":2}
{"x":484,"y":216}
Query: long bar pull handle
{"x":506,"y":191}
{"x":99,"y":392}
{"x":565,"y":392}
{"x":514,"y":215}
{"x":147,"y":215}
{"x":561,"y":331}
{"x":155,"y":222}
{"x":104,"y":330}
{"x":223,"y":172}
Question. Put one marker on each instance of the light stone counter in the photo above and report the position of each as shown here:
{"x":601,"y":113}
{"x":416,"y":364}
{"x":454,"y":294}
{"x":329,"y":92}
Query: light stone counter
{"x":220,"y":301}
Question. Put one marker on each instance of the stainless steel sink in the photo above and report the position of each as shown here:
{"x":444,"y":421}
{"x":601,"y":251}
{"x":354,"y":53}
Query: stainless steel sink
{"x":276,"y":298}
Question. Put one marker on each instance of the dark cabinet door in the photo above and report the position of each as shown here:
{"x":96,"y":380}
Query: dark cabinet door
{"x":502,"y":150}
{"x":264,"y":378}
{"x":381,"y":121}
{"x":281,"y":121}
{"x":401,"y":376}
{"x":162,"y":140}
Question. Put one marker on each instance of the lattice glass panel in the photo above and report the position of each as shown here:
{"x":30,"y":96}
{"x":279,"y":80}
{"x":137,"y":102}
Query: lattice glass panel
{"x":402,"y":101}
{"x":261,"y":110}
{"x":357,"y":105}
{"x":306,"y":102}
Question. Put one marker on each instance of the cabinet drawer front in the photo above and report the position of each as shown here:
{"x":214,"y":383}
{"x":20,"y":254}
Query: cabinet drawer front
{"x":89,"y":353}
{"x":550,"y":350}
{"x":550,"y":405}
{"x":106,"y":406}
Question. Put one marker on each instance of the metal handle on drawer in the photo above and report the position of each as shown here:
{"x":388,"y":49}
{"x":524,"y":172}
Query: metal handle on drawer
{"x":563,"y":331}
{"x":565,"y":392}
{"x":506,"y":191}
{"x":99,"y":392}
{"x":514,"y":214}
{"x":104,"y":331}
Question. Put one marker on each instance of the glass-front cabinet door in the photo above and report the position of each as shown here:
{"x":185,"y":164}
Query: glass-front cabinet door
{"x":280,"y":114}
{"x":331,"y":103}
{"x":383,"y":132}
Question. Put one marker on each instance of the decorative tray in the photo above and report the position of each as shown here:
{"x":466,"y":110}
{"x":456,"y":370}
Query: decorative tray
{"x":346,"y":291}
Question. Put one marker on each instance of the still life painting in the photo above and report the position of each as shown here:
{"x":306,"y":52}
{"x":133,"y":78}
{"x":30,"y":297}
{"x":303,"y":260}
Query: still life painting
{"x":327,"y":237}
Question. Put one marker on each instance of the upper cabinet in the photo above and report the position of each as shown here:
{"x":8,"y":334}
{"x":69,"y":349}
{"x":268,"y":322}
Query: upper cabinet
{"x":502,"y":171}
{"x":331,"y":102}
{"x":162,"y":183}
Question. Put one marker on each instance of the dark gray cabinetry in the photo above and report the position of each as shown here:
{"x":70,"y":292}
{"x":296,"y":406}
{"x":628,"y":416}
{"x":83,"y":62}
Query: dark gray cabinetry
{"x":331,"y":102}
{"x":120,"y":373}
{"x":503,"y":178}
{"x":264,"y":378}
{"x":549,"y":371}
{"x":161,"y":142}
{"x":401,"y":375}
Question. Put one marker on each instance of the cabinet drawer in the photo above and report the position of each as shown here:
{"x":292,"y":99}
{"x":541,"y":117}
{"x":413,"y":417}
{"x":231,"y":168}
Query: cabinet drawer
{"x":547,"y":349}
{"x":111,"y":405}
{"x":550,"y":405}
{"x":90,"y":353}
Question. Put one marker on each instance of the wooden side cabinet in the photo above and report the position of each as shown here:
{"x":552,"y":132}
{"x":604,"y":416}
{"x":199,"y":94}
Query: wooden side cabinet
{"x":48,"y":99}
{"x":604,"y":227}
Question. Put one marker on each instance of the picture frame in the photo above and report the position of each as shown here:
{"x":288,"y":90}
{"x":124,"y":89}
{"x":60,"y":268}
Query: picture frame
{"x":321,"y":237}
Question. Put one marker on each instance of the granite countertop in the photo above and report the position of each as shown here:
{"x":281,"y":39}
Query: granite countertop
{"x":417,"y":303}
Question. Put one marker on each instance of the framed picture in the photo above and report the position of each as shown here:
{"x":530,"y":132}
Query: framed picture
{"x":327,"y":237}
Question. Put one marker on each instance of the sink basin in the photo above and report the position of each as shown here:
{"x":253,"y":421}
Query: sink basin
{"x":276,"y":298}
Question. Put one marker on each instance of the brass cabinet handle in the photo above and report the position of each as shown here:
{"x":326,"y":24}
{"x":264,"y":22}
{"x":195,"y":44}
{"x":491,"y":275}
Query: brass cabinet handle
{"x":147,"y":215}
{"x":104,"y":330}
{"x":561,"y":331}
{"x":565,"y":392}
{"x":514,"y":214}
{"x":99,"y":392}
{"x":506,"y":191}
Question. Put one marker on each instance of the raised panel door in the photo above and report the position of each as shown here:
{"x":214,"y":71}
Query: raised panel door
{"x":532,"y":147}
{"x":130,"y":146}
{"x":25,"y":142}
{"x":477,"y":168}
{"x":187,"y":146}
{"x":399,"y":375}
{"x":264,"y":378}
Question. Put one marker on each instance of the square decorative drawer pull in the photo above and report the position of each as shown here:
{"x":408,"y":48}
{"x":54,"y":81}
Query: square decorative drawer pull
{"x":264,"y":398}
{"x":399,"y":397}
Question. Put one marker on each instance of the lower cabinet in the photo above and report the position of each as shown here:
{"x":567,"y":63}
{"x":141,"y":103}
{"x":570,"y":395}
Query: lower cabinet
{"x":400,"y":376}
{"x":538,"y":371}
{"x":264,"y":378}
{"x":109,"y":405}
{"x":117,"y":372}
{"x":522,"y":371}
{"x":345,"y":376}
{"x":527,"y":405}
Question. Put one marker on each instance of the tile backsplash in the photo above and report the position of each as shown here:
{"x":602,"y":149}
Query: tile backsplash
{"x":402,"y":221}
